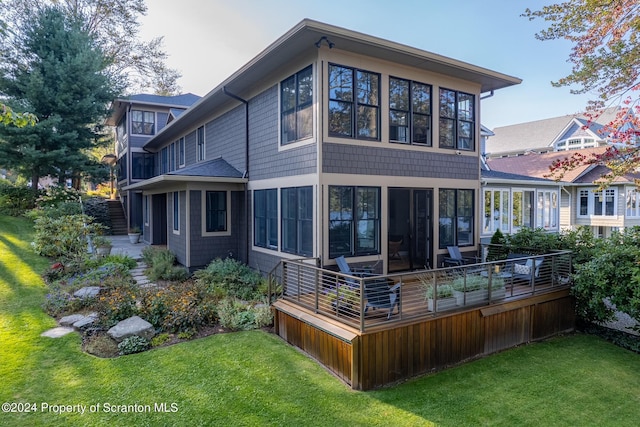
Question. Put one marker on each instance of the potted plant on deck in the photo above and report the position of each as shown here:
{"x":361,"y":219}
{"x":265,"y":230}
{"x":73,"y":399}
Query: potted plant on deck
{"x":134,"y":234}
{"x":474,"y":289}
{"x":439,"y":296}
{"x":102,"y":245}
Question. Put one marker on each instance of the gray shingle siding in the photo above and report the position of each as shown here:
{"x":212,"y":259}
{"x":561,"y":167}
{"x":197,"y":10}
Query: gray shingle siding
{"x":361,"y":160}
{"x":205,"y":249}
{"x":178,"y":242}
{"x":263,"y":262}
{"x":136,"y":141}
{"x":161,"y":120}
{"x":225,"y":136}
{"x":190,"y":148}
{"x":265,"y":161}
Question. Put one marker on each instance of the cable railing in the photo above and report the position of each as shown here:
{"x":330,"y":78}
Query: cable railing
{"x":367,"y":300}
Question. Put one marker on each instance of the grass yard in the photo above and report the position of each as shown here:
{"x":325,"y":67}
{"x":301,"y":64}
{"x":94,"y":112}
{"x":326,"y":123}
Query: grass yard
{"x":255,"y":379}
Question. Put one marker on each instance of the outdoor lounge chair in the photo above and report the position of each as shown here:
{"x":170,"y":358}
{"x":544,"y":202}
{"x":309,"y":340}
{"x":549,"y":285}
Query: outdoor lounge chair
{"x":455,"y":258}
{"x":378,"y":294}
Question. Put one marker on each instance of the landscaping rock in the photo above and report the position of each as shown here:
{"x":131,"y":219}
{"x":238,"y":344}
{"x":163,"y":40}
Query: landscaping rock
{"x":132,"y":326}
{"x":71,"y":319}
{"x":86,"y":321}
{"x":58,"y":332}
{"x":87,"y":292}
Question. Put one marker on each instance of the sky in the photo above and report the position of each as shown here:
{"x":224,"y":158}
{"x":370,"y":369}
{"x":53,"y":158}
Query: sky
{"x":208,"y":40}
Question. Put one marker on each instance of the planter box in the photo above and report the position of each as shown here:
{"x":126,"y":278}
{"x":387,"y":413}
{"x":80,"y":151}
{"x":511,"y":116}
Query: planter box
{"x":477,"y":297}
{"x":134,"y":237}
{"x":443,"y":304}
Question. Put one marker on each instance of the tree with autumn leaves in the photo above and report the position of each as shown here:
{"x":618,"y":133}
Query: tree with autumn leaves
{"x":606,"y":63}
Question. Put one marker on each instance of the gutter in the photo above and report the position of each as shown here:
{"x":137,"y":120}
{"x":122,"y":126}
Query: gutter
{"x":245,"y":175}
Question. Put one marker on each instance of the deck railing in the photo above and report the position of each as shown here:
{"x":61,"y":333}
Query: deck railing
{"x":359,"y":300}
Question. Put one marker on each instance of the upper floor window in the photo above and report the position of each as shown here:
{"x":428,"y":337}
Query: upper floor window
{"x":457,"y":120}
{"x":164,"y":160}
{"x":141,"y":165}
{"x":575,"y":143}
{"x":200,"y":144}
{"x":354,"y":103}
{"x":143,"y":122}
{"x":409,"y":112}
{"x":172,"y":157}
{"x":456,"y":217}
{"x":121,"y":129}
{"x":597,"y":203}
{"x":181,"y":157}
{"x":296,"y":106}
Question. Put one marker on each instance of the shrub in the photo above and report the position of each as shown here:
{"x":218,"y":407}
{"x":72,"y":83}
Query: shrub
{"x":237,"y":315}
{"x":162,"y":266}
{"x":98,"y":209}
{"x":117,"y":301}
{"x":133,"y":344}
{"x":232,"y":278}
{"x":58,"y":303}
{"x":119,"y":259}
{"x":63,"y":237}
{"x":534,"y":240}
{"x":160,"y":339}
{"x":16,"y":200}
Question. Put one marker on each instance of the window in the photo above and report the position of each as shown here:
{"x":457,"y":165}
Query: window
{"x":143,"y":122}
{"x":121,"y":129}
{"x":354,"y":103}
{"x":164,"y":160}
{"x":597,"y":203}
{"x":456,"y":217}
{"x":216,"y":211}
{"x":141,"y":165}
{"x":181,"y":152}
{"x":547,"y":210}
{"x":200,"y":144}
{"x":496,"y":211}
{"x":146,"y":210}
{"x":633,"y":203}
{"x":522,"y":211}
{"x":297,"y":220}
{"x":296,"y":106}
{"x":457,"y":120}
{"x":409,"y":112}
{"x":265,"y":218}
{"x":354,"y":221}
{"x":176,"y":211}
{"x":121,"y":167}
{"x":172,"y":157}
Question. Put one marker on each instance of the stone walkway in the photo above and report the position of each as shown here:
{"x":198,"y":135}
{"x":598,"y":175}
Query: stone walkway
{"x":76,"y":322}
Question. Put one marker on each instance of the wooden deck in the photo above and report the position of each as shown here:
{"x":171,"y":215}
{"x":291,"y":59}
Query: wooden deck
{"x":371,"y":351}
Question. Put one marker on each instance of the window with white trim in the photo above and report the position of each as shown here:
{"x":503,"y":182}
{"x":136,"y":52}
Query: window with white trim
{"x":216,"y":211}
{"x":593,"y":202}
{"x":633,"y":203}
{"x":547,"y":210}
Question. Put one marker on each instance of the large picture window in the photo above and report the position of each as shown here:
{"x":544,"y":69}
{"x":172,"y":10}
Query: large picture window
{"x":216,"y":211}
{"x":456,"y":217}
{"x":457,"y":120}
{"x":297,"y":220}
{"x":142,"y":165}
{"x":296,"y":106}
{"x":409,"y":112}
{"x":354,"y":221}
{"x":143,"y":122}
{"x":592,"y":202}
{"x":265,"y":218}
{"x":354,"y":103}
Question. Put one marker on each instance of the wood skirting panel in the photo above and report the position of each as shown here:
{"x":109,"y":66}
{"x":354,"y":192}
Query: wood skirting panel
{"x":374,"y":359}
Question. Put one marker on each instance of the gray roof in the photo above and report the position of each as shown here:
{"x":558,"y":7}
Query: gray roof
{"x":211,"y":168}
{"x":183,"y":100}
{"x":540,"y":135}
{"x":491,"y":174}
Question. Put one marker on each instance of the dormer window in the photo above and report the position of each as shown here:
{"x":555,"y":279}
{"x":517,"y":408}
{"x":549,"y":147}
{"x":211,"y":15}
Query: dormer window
{"x":143,"y":122}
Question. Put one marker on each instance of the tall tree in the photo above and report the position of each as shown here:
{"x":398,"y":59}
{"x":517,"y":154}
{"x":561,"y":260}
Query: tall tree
{"x":606,"y":62}
{"x":60,"y":76}
{"x":114,"y":25}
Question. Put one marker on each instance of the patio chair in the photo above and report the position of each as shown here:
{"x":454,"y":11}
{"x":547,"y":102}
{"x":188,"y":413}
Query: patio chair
{"x":378,"y":294}
{"x":455,"y":258}
{"x":344,"y":267}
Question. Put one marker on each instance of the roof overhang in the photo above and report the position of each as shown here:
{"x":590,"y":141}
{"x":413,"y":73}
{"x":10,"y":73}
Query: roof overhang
{"x":162,"y":181}
{"x":298,"y":41}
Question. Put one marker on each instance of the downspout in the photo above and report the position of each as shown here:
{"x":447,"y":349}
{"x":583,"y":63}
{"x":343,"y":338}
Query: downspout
{"x":489,"y":95}
{"x":246,"y":170}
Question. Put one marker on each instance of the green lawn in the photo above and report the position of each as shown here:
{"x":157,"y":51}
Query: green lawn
{"x":255,"y":379}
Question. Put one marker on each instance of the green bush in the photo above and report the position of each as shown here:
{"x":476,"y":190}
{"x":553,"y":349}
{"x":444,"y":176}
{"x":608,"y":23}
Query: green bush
{"x":16,"y":200}
{"x":238,"y":316}
{"x":117,"y":300}
{"x":63,"y":237}
{"x":120,"y":259}
{"x":162,"y":266}
{"x":232,"y":278}
{"x":58,"y":303}
{"x":133,"y":344}
{"x":160,"y":339}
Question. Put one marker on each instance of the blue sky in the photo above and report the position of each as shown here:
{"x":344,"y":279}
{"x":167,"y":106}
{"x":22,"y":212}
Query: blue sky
{"x":207,"y":40}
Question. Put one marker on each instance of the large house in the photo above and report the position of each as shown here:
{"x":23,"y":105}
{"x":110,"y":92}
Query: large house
{"x":529,"y":149}
{"x":329,"y":142}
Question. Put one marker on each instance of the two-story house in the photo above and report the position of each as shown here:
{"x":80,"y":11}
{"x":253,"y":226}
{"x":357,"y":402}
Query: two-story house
{"x":329,"y":142}
{"x":136,"y":119}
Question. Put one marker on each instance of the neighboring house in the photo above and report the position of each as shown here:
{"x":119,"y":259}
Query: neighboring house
{"x":580,"y":202}
{"x":329,"y":142}
{"x":571,"y":132}
{"x":137,"y":119}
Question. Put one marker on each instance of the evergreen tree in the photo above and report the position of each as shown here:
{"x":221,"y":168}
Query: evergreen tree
{"x":60,"y":77}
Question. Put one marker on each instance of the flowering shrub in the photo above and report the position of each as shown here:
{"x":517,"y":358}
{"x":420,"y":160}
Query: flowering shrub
{"x":63,"y":237}
{"x":117,"y":300}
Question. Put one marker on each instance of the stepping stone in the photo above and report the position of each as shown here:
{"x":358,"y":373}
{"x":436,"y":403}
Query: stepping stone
{"x":71,"y":319}
{"x":148,"y":285}
{"x":86,"y":321}
{"x":87,"y":292}
{"x":137,"y":271}
{"x":58,"y":332}
{"x":142,"y":281}
{"x":132,"y":326}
